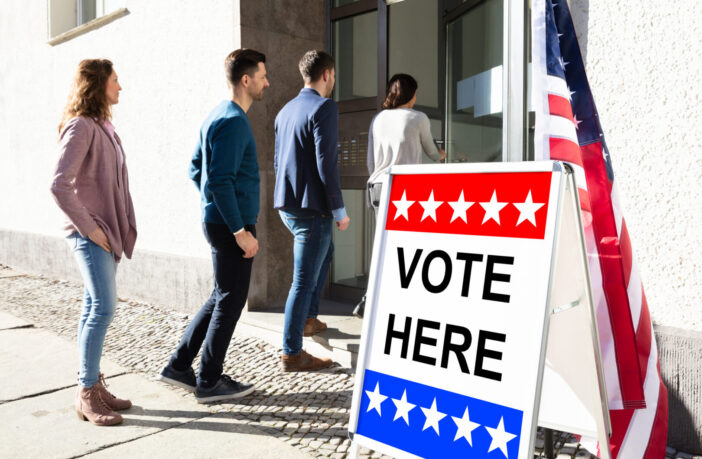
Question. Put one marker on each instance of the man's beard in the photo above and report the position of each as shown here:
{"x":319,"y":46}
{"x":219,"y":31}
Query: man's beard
{"x":257,"y":96}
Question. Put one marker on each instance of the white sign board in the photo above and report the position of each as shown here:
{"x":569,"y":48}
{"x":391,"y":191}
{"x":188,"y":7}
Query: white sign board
{"x":453,"y":343}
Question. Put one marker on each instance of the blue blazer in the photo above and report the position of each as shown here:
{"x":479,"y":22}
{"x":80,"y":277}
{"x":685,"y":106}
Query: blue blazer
{"x":306,"y":171}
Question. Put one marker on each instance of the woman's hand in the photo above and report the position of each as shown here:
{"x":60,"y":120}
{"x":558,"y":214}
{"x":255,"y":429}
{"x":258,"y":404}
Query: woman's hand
{"x":98,"y":236}
{"x":442,"y":154}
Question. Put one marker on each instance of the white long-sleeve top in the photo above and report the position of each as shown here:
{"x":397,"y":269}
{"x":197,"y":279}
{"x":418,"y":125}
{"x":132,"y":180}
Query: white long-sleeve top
{"x":398,"y":136}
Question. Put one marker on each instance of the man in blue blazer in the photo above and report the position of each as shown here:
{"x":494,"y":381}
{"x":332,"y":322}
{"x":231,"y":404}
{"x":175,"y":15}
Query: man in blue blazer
{"x":308,"y":197}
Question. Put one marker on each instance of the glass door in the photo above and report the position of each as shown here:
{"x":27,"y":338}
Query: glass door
{"x":474,"y":82}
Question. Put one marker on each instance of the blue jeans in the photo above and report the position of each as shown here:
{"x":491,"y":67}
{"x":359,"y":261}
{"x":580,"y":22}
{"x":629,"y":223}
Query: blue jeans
{"x":213,"y":326}
{"x":98,"y":269}
{"x":312,"y":252}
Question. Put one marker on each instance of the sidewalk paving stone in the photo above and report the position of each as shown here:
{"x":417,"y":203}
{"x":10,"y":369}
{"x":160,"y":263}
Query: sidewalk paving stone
{"x":211,"y":437}
{"x":303,"y":409}
{"x":8,"y":322}
{"x":47,"y":425}
{"x":48,"y":363}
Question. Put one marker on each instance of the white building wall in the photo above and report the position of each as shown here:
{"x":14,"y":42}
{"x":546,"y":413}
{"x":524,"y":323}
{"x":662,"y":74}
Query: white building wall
{"x":645,"y":73}
{"x":169,"y":58}
{"x":642,"y":60}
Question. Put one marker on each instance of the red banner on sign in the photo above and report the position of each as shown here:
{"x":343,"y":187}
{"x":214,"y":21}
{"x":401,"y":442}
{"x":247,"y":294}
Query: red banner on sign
{"x":491,"y":204}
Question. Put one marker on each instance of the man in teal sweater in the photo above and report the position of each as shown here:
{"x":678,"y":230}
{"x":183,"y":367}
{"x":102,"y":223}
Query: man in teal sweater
{"x":224,"y":168}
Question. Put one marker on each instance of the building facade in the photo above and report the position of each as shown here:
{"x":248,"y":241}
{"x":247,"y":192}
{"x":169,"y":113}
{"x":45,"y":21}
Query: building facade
{"x":471,"y":59}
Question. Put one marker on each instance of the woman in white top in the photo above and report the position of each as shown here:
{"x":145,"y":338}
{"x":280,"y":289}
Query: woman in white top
{"x":398,"y":134}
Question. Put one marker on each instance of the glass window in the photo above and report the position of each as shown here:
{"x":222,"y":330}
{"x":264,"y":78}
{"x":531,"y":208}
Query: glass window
{"x":355,"y":45}
{"x":413,"y":48}
{"x":87,"y":11}
{"x":337,"y":3}
{"x":413,"y":45}
{"x":353,"y":247}
{"x":474,"y":84}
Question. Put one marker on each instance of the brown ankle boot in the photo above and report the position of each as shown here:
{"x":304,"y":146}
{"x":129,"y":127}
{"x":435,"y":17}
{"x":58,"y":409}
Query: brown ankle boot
{"x":313,"y":326}
{"x":91,"y":407}
{"x":303,"y":362}
{"x":114,"y":403}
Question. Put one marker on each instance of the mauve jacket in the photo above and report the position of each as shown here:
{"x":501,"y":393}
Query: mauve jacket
{"x":91,"y":187}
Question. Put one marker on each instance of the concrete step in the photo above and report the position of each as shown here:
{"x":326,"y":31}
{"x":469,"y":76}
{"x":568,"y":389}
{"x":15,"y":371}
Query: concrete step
{"x":339,"y":342}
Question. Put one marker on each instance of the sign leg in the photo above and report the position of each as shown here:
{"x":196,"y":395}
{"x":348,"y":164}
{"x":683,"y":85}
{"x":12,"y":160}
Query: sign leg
{"x":548,"y":444}
{"x":353,"y":450}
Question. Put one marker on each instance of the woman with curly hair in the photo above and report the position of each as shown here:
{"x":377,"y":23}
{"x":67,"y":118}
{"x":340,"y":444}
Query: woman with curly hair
{"x":91,"y":187}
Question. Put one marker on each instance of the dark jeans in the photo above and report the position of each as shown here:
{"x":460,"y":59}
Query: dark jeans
{"x":214,"y":324}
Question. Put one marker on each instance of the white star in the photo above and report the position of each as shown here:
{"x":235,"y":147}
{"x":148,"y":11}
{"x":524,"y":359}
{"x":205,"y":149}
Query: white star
{"x":559,"y":36}
{"x":402,"y":207}
{"x":465,"y":427}
{"x":562,"y":62}
{"x":403,"y":407}
{"x":459,"y":208}
{"x":376,"y":398}
{"x":576,"y":121}
{"x":527,"y":210}
{"x":493,"y":208}
{"x":500,"y":438}
{"x":570,"y":94}
{"x":433,"y":417}
{"x":430,"y":207}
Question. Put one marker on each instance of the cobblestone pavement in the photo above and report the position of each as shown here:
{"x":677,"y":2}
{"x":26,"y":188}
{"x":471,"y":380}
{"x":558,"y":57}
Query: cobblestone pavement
{"x":307,"y":410}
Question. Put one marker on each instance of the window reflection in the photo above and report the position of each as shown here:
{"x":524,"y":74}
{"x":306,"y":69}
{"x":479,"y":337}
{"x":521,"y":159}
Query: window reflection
{"x":474,"y":84}
{"x":353,"y":247}
{"x":355,"y":45}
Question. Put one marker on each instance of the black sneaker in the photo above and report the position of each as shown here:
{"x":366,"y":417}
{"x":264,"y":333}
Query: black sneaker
{"x":225,"y":388}
{"x":184,"y":379}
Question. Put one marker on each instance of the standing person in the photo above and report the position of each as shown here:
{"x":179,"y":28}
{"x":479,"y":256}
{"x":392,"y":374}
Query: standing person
{"x":399,"y":134}
{"x":308,"y":196}
{"x":224,"y":168}
{"x":91,"y":187}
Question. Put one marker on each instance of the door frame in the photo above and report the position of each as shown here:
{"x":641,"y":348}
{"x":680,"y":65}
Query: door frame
{"x":514,"y":87}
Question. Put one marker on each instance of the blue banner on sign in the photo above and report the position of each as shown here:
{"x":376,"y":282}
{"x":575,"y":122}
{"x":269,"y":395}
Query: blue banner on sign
{"x":430,"y":422}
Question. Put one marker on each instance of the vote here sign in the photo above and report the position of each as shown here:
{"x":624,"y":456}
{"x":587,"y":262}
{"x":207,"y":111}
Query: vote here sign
{"x":453,"y":340}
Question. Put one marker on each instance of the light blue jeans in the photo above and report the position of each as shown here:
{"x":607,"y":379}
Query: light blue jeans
{"x":98,"y":269}
{"x":312,"y":253}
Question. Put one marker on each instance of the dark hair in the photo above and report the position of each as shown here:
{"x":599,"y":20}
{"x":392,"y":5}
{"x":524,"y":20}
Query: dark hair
{"x":313,"y":64}
{"x":242,"y":62}
{"x":400,"y":90}
{"x":88,"y":95}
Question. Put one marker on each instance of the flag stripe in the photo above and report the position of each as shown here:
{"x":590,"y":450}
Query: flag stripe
{"x":613,"y":283}
{"x":560,"y":106}
{"x":625,"y":246}
{"x":563,"y":128}
{"x":565,"y":150}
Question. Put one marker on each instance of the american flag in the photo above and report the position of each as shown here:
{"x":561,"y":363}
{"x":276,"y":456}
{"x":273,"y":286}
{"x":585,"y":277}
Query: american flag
{"x":568,"y":129}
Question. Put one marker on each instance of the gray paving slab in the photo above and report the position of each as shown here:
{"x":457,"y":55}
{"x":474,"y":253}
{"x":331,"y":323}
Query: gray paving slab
{"x":39,"y":361}
{"x":8,"y":321}
{"x":47,"y":425}
{"x":211,"y":437}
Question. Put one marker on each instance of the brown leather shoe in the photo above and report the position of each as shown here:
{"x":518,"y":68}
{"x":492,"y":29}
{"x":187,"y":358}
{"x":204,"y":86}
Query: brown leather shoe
{"x":313,"y":326}
{"x":114,"y":403}
{"x":91,"y":407}
{"x":303,"y":362}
